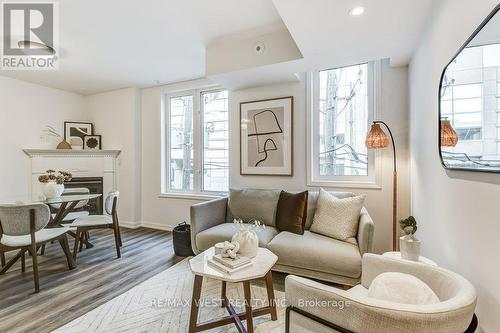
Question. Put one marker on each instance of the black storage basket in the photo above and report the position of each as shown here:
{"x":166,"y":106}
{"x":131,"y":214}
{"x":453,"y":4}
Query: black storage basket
{"x":182,"y":240}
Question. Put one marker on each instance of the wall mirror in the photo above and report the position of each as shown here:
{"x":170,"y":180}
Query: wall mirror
{"x":469,"y":102}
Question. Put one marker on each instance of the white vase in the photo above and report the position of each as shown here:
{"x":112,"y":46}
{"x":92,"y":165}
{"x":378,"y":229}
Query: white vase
{"x":409,"y":247}
{"x":53,"y":190}
{"x":249,"y":243}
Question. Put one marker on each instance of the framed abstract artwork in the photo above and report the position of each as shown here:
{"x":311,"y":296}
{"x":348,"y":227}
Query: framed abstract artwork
{"x":266,"y":137}
{"x":92,"y":142}
{"x":74,"y":133}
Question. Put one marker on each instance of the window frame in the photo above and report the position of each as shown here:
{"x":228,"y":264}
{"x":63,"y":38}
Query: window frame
{"x":198,"y":148}
{"x":372,"y":180}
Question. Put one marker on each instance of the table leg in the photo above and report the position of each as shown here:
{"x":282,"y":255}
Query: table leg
{"x":193,"y":319}
{"x":248,"y":305}
{"x":270,"y":295}
{"x":223,"y":294}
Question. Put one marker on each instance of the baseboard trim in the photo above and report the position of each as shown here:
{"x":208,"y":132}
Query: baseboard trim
{"x":130,"y":224}
{"x":156,"y":225}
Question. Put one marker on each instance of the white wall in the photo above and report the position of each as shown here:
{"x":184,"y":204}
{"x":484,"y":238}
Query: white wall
{"x":458,"y":212}
{"x":166,"y":212}
{"x":116,"y":116}
{"x":25,"y":110}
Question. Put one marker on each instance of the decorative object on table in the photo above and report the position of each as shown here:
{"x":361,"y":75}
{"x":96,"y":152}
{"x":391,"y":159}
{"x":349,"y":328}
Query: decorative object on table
{"x":337,"y":218}
{"x":291,"y":212}
{"x":266,"y":137}
{"x":75,"y":131}
{"x":409,"y":245}
{"x":51,"y":131}
{"x":376,"y":139}
{"x":448,"y":135}
{"x":230,"y":250}
{"x":224,"y":264}
{"x":219,"y":247}
{"x":247,"y":237}
{"x":54,"y":183}
{"x":182,"y":240}
{"x":92,"y":142}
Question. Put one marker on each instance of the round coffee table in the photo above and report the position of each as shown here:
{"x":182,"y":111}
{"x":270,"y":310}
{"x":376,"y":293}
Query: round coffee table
{"x":261,"y":268}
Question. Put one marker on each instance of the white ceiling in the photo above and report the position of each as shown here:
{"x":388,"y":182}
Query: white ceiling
{"x":113,"y":44}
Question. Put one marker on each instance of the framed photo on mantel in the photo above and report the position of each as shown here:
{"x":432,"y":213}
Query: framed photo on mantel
{"x":266,"y":137}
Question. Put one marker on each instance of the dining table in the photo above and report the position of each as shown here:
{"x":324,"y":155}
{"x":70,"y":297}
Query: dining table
{"x":62,"y":205}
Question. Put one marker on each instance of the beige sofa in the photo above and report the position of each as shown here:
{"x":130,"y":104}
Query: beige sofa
{"x":354,"y":311}
{"x":311,"y":255}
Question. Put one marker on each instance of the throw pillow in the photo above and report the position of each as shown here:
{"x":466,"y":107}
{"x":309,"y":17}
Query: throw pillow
{"x":337,"y":218}
{"x":291,"y":213}
{"x":401,"y":288}
{"x":248,"y":204}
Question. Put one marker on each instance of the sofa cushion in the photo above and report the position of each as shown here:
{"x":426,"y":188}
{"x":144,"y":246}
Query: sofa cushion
{"x":318,"y":253}
{"x":225,"y":231}
{"x":401,"y":288}
{"x":251,"y":204}
{"x":312,"y":202}
{"x":337,"y":218}
{"x":291,"y":213}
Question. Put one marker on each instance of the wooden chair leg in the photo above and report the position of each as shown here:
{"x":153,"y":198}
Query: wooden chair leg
{"x":77,"y":240}
{"x":117,"y":242}
{"x":2,"y":258}
{"x":12,"y":261}
{"x":82,"y":240}
{"x":34,"y":258}
{"x":42,"y":252}
{"x":65,"y":246}
{"x":23,"y":262}
{"x":117,"y":224}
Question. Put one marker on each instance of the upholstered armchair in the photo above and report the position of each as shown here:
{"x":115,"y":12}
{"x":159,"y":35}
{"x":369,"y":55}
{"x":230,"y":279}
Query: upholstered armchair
{"x":315,"y":307}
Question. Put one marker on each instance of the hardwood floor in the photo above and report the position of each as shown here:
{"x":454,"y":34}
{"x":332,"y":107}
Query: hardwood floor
{"x":99,"y":277}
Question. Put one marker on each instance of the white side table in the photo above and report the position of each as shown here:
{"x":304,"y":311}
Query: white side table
{"x":397,"y":255}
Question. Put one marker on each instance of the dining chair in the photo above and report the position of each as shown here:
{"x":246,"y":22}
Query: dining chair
{"x":109,"y":221}
{"x":22,"y":227}
{"x":77,"y":212}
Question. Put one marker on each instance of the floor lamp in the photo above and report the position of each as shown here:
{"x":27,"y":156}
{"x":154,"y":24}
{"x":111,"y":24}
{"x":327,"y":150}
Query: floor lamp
{"x":376,"y":139}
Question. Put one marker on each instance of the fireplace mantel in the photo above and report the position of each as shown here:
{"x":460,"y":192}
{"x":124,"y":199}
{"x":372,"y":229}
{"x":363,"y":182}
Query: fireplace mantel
{"x":71,"y":153}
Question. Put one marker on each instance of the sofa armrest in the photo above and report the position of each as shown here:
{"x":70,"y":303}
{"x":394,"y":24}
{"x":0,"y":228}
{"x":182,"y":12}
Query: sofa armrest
{"x":365,"y":232}
{"x":206,"y":215}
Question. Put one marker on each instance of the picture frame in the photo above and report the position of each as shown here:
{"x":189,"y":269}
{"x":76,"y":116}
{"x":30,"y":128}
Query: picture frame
{"x":75,"y":131}
{"x":92,"y":142}
{"x":266,"y":137}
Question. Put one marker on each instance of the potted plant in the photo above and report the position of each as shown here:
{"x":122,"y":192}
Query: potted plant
{"x":408,"y":244}
{"x":54,"y":183}
{"x":247,"y":236}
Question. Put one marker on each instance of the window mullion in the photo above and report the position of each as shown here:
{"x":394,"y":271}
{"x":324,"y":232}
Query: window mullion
{"x":197,"y":139}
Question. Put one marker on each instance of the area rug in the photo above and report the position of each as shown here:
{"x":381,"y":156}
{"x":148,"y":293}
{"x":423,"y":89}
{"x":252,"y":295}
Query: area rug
{"x":163,"y":303}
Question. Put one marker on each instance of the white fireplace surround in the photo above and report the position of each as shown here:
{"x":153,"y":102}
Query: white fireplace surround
{"x":81,"y":163}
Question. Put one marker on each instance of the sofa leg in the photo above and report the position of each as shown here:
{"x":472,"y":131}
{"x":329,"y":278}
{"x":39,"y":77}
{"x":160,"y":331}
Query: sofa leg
{"x":346,"y":287}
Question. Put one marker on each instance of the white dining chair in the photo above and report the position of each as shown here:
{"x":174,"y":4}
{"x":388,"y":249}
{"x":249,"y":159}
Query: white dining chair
{"x":23,"y":228}
{"x":107,"y":221}
{"x":76,"y":213}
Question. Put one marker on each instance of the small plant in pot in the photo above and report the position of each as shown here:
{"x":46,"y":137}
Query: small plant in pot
{"x":408,"y":244}
{"x":54,"y":183}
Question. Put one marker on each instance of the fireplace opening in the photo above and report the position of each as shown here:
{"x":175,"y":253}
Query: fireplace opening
{"x":94,"y":184}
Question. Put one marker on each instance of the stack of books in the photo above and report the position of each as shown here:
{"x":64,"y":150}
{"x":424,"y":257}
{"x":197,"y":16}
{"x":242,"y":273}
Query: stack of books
{"x":229,"y":265}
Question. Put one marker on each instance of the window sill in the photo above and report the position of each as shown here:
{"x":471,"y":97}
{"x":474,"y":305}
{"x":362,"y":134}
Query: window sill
{"x":191,"y":196}
{"x":372,"y":185}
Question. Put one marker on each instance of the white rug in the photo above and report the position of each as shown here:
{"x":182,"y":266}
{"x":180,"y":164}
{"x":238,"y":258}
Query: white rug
{"x":163,"y":303}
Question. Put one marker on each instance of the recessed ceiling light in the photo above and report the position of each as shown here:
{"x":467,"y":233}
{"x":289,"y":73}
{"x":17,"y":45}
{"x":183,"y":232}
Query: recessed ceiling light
{"x":356,"y":11}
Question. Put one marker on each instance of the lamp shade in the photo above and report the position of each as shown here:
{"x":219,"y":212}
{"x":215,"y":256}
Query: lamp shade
{"x":376,"y":138}
{"x":449,"y":137}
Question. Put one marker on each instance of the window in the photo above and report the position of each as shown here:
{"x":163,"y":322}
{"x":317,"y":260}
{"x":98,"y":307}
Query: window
{"x":342,"y":108}
{"x":197,"y":142}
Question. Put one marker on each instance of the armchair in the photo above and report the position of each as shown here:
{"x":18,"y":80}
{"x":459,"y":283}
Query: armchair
{"x":315,"y":307}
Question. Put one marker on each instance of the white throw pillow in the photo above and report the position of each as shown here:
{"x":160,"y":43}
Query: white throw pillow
{"x":401,"y":288}
{"x":337,"y":218}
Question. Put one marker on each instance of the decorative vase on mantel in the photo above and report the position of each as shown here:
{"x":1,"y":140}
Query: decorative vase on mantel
{"x":52,"y":190}
{"x":63,"y":145}
{"x":409,"y":246}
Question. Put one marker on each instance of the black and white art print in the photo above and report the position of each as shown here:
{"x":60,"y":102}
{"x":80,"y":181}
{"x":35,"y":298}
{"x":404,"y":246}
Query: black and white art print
{"x":75,"y":132}
{"x":266,"y":140}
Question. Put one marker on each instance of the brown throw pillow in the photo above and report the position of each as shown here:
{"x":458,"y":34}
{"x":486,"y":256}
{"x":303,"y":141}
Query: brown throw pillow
{"x":291,"y":213}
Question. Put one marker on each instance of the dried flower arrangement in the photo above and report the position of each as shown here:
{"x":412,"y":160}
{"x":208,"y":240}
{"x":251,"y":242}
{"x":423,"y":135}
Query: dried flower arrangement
{"x":252,"y":225}
{"x":51,"y":176}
